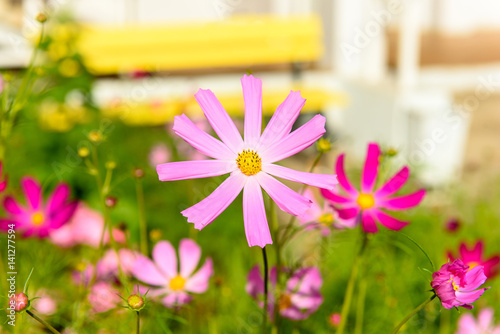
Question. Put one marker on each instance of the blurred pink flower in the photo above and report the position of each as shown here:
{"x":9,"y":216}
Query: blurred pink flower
{"x":3,"y":184}
{"x":1,"y":83}
{"x":38,"y":219}
{"x":168,"y":281}
{"x":300,"y":298}
{"x":159,"y":154}
{"x":366,"y":205}
{"x":474,"y":257}
{"x":335,"y":319}
{"x":44,"y":304}
{"x":452,"y":225}
{"x":467,"y":324}
{"x":324,"y":218}
{"x":103,"y":297}
{"x":455,"y":284}
{"x":85,"y":228}
{"x":249,"y":162}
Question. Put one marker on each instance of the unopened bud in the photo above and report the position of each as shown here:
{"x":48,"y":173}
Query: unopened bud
{"x":135,"y":302}
{"x":323,"y":145}
{"x":41,"y":17}
{"x":110,"y":201}
{"x":95,"y":136}
{"x":391,"y":152}
{"x":110,"y":165}
{"x":155,"y":234}
{"x":19,"y":301}
{"x":335,"y":319}
{"x":83,"y":152}
{"x":138,"y":173}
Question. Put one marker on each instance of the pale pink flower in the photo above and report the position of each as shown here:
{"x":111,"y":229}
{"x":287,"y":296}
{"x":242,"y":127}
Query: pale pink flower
{"x":323,"y":218}
{"x":3,"y":184}
{"x":38,"y":219}
{"x":300,"y":298}
{"x":484,"y":324}
{"x":170,"y":281}
{"x":103,"y":297}
{"x":85,"y":228}
{"x":159,"y":154}
{"x":250,"y":162}
{"x":44,"y":303}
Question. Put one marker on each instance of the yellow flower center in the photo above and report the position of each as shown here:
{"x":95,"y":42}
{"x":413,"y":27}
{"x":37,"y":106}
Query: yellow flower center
{"x":38,"y":218}
{"x":284,"y":302}
{"x":177,"y":283}
{"x":249,"y":162}
{"x":365,"y":201}
{"x":472,"y":264}
{"x":326,"y":219}
{"x":455,"y":287}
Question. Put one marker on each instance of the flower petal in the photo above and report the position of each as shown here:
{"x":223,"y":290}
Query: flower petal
{"x":254,"y":215}
{"x":368,"y":222}
{"x":326,"y":181}
{"x":4,"y":224}
{"x":198,"y":283}
{"x":469,"y":297}
{"x":344,"y":182}
{"x":348,"y":213}
{"x":394,"y":184}
{"x":286,"y":199}
{"x":200,"y":140}
{"x":165,"y":259}
{"x":63,"y":215}
{"x":402,"y":202}
{"x":296,"y":141}
{"x":58,"y":198}
{"x":475,"y":277}
{"x":204,"y":212}
{"x":252,"y":95}
{"x":32,"y":191}
{"x":189,"y":254}
{"x":336,"y":198}
{"x":389,"y":221}
{"x":283,"y":119}
{"x":11,"y":206}
{"x":370,"y":170}
{"x":222,"y":124}
{"x":255,"y":283}
{"x":145,"y":271}
{"x":314,"y":211}
{"x":182,"y":170}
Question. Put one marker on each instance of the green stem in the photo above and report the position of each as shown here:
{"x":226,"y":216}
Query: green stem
{"x":138,"y":331}
{"x":266,"y":292}
{"x":350,"y":286}
{"x":412,"y":313}
{"x":43,"y":322}
{"x":142,"y":217}
{"x":360,"y":307}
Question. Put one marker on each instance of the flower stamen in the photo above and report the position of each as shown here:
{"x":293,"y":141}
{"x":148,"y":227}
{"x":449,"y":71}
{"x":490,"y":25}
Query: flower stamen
{"x":365,"y":201}
{"x":177,"y":283}
{"x":249,"y":162}
{"x":37,"y":218}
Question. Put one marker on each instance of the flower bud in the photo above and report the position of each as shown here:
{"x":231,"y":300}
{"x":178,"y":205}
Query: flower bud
{"x":41,"y":17}
{"x":19,"y":301}
{"x":135,"y":302}
{"x":155,"y":234}
{"x":323,"y":145}
{"x":335,"y":319}
{"x":138,"y":173}
{"x":95,"y":136}
{"x":110,"y":165}
{"x":110,"y":201}
{"x":83,"y":152}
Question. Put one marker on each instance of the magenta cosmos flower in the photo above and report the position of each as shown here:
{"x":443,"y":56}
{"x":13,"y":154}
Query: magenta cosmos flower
{"x":250,"y":162}
{"x":484,"y":324}
{"x":367,"y":203}
{"x":168,"y":281}
{"x":475,"y":257}
{"x":300,"y":298}
{"x":457,"y":285}
{"x":37,"y":218}
{"x":323,"y":217}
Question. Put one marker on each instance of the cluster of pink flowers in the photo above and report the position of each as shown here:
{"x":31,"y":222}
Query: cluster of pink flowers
{"x":171,"y":282}
{"x":300,"y":298}
{"x":467,"y":324}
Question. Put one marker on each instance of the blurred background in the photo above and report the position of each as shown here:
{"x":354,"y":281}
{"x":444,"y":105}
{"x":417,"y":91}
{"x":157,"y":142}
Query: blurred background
{"x":421,"y":77}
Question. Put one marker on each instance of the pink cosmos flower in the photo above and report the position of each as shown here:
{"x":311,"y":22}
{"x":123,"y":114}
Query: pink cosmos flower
{"x":84,"y":228}
{"x":250,"y":162}
{"x":103,"y":297}
{"x":44,"y":303}
{"x":323,"y":218}
{"x":455,"y":284}
{"x":474,"y":257}
{"x":300,"y":298}
{"x":20,"y":301}
{"x":159,"y":154}
{"x":3,"y":184}
{"x":366,"y":205}
{"x":168,"y":280}
{"x":467,"y":324}
{"x":38,"y":219}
